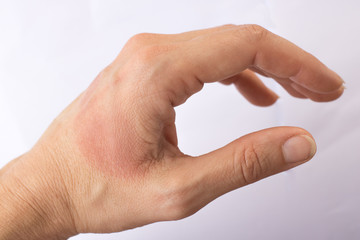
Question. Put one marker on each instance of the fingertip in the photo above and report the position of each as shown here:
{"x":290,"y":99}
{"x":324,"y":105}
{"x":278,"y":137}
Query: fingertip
{"x":269,"y":101}
{"x":319,"y":97}
{"x":340,"y":81}
{"x":298,"y":149}
{"x":254,"y":90}
{"x":275,"y":99}
{"x":315,"y":76}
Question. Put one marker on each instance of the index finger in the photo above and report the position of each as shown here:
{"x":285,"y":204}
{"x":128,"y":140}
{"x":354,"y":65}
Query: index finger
{"x":223,"y":54}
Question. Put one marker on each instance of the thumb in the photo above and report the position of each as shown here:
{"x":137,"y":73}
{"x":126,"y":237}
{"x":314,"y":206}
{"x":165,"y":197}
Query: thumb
{"x":243,"y":161}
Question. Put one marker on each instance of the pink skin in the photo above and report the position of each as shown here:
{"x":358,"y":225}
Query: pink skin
{"x":104,"y":133}
{"x":109,"y":131}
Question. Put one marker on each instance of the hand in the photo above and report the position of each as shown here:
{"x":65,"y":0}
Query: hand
{"x":110,"y":160}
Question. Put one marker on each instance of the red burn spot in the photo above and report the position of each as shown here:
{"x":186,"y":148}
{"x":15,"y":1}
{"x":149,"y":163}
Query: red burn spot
{"x":105,"y":135}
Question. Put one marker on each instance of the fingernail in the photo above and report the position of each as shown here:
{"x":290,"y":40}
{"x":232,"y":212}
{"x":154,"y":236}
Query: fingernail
{"x":299,"y":148}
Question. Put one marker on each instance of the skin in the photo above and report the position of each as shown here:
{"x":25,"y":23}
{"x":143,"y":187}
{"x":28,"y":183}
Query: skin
{"x":110,"y":161}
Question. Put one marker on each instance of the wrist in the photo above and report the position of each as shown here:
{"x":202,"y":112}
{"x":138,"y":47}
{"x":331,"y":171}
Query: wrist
{"x":31,"y":206}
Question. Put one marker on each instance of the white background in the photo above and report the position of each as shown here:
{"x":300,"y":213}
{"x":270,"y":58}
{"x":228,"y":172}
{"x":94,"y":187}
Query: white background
{"x":51,"y":50}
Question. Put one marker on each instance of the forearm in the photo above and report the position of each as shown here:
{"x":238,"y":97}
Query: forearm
{"x":28,"y":207}
{"x":19,"y":219}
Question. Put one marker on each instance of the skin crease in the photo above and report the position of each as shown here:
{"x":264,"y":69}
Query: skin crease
{"x":110,"y":161}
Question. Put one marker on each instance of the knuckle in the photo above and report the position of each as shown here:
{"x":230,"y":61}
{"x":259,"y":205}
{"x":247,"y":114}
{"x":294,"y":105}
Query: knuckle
{"x":226,"y":26}
{"x":254,"y":33}
{"x":149,"y":65}
{"x":148,"y":55}
{"x":140,"y":39}
{"x":249,"y":164}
